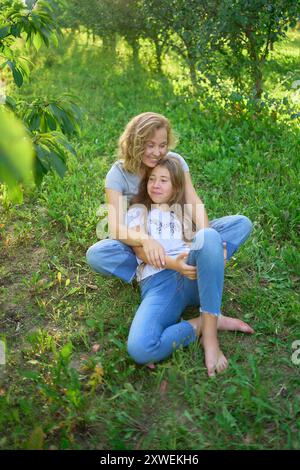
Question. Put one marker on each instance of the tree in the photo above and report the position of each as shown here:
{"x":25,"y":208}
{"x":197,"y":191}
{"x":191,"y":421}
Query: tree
{"x":157,"y":28}
{"x":188,"y":29}
{"x":46,"y":122}
{"x":249,"y":28}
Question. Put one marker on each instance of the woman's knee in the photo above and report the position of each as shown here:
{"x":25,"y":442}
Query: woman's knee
{"x":99,"y":256}
{"x":94,"y":255}
{"x":246,"y":226}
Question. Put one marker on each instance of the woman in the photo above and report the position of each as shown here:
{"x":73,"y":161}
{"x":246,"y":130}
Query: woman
{"x":148,"y":138}
{"x":158,"y":211}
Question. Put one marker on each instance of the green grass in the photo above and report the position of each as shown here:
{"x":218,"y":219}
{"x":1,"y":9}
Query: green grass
{"x":69,"y":382}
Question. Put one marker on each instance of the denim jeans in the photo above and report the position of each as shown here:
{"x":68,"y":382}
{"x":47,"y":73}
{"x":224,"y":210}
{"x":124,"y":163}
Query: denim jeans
{"x":156,"y":331}
{"x":112,"y":257}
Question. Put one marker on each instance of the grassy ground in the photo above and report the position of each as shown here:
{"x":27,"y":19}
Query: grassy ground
{"x":68,"y":381}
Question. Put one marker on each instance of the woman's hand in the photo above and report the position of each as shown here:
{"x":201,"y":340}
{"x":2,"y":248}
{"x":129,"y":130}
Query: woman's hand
{"x":185,"y":269}
{"x":155,"y":253}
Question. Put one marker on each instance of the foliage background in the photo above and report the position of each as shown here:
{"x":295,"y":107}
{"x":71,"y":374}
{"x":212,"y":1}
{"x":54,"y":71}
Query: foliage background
{"x":68,"y":382}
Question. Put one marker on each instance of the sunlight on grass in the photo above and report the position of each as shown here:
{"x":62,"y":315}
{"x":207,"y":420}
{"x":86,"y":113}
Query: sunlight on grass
{"x":69,"y":381}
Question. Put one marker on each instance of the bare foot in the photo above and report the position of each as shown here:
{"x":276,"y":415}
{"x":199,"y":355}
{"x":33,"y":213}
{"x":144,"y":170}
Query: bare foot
{"x":224,"y":323}
{"x":196,"y":324}
{"x":233,"y":324}
{"x":151,"y":366}
{"x":215,"y":360}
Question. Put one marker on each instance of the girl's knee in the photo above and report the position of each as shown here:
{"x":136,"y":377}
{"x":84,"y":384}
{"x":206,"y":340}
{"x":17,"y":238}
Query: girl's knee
{"x":206,"y":238}
{"x":137,"y":351}
{"x":141,"y":347}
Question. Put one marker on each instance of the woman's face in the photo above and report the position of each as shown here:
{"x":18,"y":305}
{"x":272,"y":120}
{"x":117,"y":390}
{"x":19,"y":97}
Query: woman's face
{"x":159,"y":185}
{"x":156,"y":147}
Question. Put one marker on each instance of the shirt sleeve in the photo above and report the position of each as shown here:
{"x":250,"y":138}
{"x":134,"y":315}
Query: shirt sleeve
{"x":135,"y":217}
{"x":114,"y":180}
{"x":184,"y":165}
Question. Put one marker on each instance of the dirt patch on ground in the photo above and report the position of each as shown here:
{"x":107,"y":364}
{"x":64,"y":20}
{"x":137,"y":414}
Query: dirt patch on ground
{"x":18,"y":267}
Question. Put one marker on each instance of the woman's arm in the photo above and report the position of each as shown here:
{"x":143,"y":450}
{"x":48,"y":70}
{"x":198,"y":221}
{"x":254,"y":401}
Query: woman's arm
{"x":116,"y":221}
{"x":199,"y":215}
{"x":153,"y":252}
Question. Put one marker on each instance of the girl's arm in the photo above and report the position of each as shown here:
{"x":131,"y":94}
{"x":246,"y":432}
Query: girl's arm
{"x":177,"y":264}
{"x":153,"y":252}
{"x":199,"y":214}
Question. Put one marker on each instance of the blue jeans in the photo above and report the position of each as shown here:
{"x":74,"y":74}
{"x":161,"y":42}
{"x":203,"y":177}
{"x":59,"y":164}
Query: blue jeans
{"x":112,"y":257}
{"x":155,"y":331}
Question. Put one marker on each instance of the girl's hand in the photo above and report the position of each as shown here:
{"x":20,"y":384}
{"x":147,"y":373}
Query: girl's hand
{"x":185,"y":269}
{"x":155,"y":253}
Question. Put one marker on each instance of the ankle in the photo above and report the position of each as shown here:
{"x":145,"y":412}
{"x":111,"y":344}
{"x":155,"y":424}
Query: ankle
{"x":210,"y":339}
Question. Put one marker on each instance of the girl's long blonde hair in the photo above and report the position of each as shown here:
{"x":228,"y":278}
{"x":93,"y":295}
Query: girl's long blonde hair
{"x":177,"y":201}
{"x":132,"y":142}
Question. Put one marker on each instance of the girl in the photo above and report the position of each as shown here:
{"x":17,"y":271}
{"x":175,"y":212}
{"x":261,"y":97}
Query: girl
{"x":155,"y":331}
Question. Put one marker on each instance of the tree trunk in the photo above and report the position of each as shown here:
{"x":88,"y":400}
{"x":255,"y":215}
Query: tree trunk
{"x":158,"y":51}
{"x":256,"y":65}
{"x":135,"y":52}
{"x":192,"y":70}
{"x":258,"y":78}
{"x":109,"y":45}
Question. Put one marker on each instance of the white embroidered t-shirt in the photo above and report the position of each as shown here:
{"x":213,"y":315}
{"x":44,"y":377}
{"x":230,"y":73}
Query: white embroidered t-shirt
{"x":162,"y":226}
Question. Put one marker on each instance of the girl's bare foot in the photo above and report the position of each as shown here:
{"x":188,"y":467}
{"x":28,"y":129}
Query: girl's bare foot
{"x":196,"y":324}
{"x":233,"y":324}
{"x":224,"y":323}
{"x":215,"y":360}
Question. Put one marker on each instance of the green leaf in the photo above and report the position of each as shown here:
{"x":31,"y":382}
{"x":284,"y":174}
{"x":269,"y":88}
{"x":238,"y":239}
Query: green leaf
{"x":58,"y":164}
{"x":37,"y":41}
{"x":9,"y":101}
{"x":51,"y":123}
{"x":16,"y":151}
{"x":44,"y":157}
{"x":18,"y":78}
{"x":34,"y":121}
{"x":4,"y":31}
{"x":54,"y":39}
{"x":24,"y":65}
{"x":60,"y":138}
{"x":39,"y":172}
{"x":16,"y":30}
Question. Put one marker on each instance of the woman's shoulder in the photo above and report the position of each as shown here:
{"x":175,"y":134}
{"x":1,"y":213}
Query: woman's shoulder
{"x":180,"y":158}
{"x":171,"y":153}
{"x":117,"y":166}
{"x":116,"y":171}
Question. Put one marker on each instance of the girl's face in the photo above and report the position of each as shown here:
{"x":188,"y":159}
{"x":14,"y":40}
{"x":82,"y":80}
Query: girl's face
{"x":159,"y":186}
{"x":156,"y":147}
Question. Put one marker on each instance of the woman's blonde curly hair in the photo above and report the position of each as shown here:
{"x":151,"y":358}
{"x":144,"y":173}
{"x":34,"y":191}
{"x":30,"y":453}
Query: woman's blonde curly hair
{"x":133,"y":140}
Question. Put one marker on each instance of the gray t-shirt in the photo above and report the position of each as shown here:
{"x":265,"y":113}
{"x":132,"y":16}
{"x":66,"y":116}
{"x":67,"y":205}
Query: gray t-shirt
{"x":128,"y":183}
